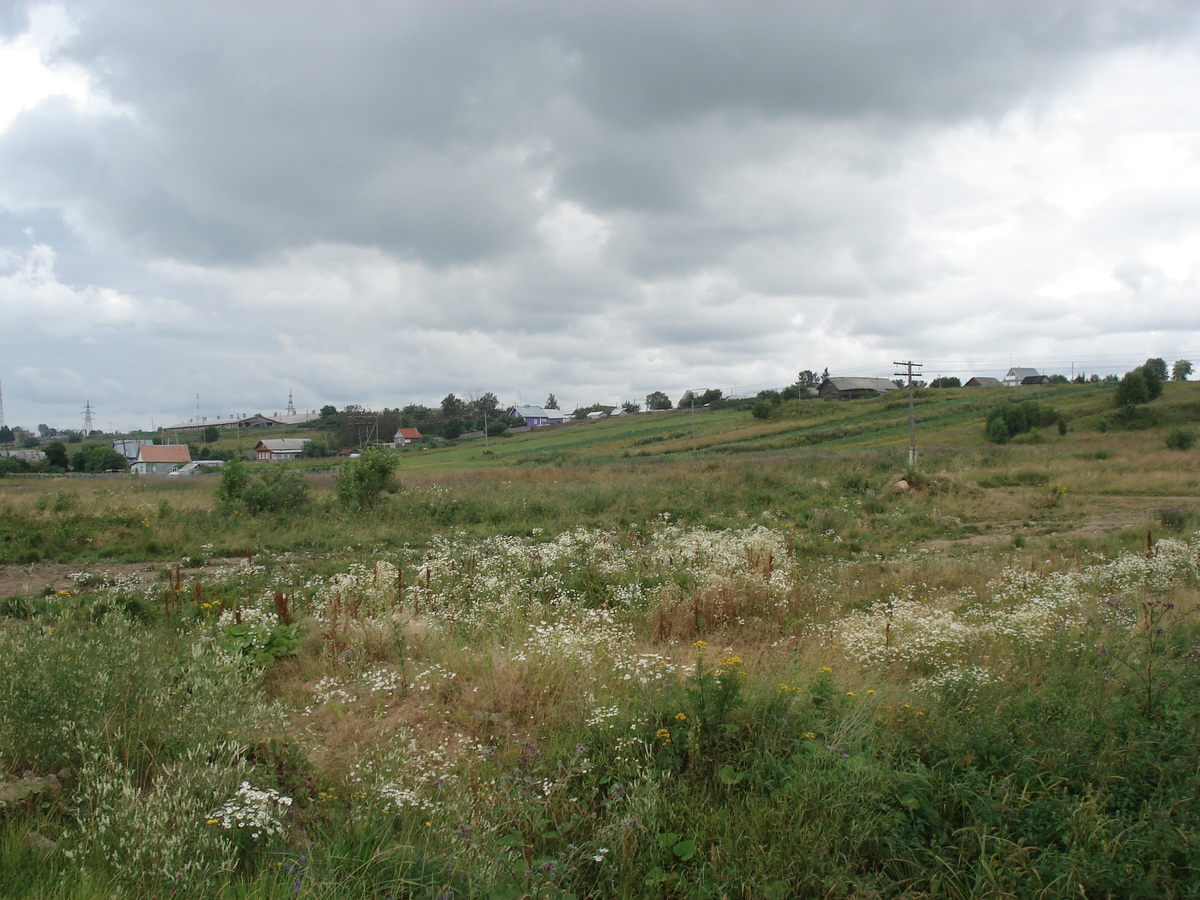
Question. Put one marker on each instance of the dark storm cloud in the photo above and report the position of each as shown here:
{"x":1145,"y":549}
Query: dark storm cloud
{"x":423,"y":128}
{"x":378,"y":201}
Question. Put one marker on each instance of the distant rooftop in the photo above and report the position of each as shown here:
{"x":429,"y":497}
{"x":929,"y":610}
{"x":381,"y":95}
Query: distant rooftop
{"x":256,"y":420}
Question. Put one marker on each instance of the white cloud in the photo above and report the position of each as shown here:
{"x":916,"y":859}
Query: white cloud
{"x":593,"y":200}
{"x":34,"y":302}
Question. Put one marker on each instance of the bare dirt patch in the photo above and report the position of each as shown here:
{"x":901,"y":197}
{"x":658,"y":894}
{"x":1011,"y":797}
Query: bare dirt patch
{"x":36,"y":577}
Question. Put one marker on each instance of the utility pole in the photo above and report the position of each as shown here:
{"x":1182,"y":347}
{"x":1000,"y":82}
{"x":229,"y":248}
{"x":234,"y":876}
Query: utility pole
{"x":692,"y":397}
{"x":912,"y":422}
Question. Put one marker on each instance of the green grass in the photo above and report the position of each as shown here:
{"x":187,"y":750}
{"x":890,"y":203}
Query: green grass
{"x":490,"y":685}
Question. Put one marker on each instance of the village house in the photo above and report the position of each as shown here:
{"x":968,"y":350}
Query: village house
{"x":984,"y":381}
{"x":279,"y":448}
{"x":535,"y":416}
{"x":854,"y":388}
{"x":1017,"y":375}
{"x":160,"y":459}
{"x":406,"y":436}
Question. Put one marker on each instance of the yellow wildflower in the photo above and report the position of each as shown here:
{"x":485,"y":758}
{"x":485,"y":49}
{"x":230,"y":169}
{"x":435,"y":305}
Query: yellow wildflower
{"x":700,"y":645}
{"x":682,"y":717}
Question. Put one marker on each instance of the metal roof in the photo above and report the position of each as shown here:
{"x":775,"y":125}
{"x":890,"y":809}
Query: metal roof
{"x":860,"y":384}
{"x":536,"y":412}
{"x":232,"y":421}
{"x":283,"y":445}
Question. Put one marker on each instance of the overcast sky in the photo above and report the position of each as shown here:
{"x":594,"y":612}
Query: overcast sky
{"x":384,"y":202}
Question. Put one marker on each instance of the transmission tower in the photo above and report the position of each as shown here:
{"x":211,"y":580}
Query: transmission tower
{"x":291,"y":410}
{"x":87,"y":418}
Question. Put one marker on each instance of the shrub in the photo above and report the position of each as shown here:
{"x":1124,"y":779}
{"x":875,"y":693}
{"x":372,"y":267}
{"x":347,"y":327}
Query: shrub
{"x":10,"y":465}
{"x":275,"y":492}
{"x":1173,"y":516}
{"x":1130,"y":418}
{"x":314,"y":450}
{"x":1133,"y":389}
{"x":996,"y":431}
{"x":235,"y":476}
{"x":364,"y":480}
{"x":1143,"y":384}
{"x":1006,"y":420}
{"x":761,"y":409}
{"x":96,"y":458}
{"x":1181,"y":438}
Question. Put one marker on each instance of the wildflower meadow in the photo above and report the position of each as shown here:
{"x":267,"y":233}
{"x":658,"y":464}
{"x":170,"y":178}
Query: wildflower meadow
{"x":738,"y":678}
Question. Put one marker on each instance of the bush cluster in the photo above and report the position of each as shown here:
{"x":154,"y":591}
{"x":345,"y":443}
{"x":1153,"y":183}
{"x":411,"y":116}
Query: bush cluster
{"x":97,"y":458}
{"x":1181,"y":438}
{"x":363,"y":481}
{"x":274,"y":492}
{"x":1007,"y":420}
{"x":1143,"y":384}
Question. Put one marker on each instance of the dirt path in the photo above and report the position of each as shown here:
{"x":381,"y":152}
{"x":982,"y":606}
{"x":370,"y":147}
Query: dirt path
{"x":36,"y":577}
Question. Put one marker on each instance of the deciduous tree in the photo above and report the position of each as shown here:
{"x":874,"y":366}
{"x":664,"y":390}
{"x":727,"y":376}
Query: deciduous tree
{"x":657,"y":400}
{"x":1133,"y":388}
{"x":56,"y":455}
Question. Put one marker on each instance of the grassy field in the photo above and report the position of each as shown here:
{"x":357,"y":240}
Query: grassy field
{"x":614,"y":660}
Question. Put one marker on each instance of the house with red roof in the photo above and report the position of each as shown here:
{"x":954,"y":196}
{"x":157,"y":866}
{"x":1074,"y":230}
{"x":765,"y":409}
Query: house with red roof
{"x":161,"y":459}
{"x":406,"y":436}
